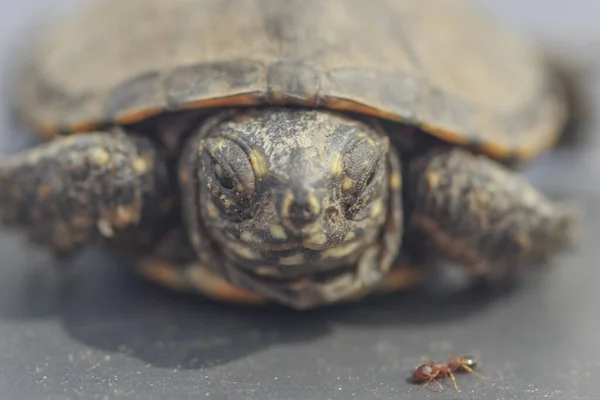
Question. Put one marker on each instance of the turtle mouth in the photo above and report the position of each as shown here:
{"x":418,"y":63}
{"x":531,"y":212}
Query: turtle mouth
{"x":310,"y":243}
{"x":300,"y":245}
{"x":295,"y":258}
{"x":273,"y":274}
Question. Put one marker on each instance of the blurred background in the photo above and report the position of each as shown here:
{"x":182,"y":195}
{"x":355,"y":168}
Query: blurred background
{"x":103,"y":333}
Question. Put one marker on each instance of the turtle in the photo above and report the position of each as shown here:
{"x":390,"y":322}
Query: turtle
{"x":293,"y":152}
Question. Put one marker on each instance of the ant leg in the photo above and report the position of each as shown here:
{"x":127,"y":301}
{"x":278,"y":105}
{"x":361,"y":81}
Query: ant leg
{"x":432,"y":379}
{"x":435,"y":382}
{"x":456,"y":389}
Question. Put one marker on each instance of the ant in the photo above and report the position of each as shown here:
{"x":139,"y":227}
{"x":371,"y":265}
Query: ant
{"x":431,"y":371}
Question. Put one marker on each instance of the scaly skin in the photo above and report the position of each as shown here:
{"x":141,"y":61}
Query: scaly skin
{"x":301,"y":207}
{"x":91,"y":188}
{"x":173,"y":263}
{"x":476,"y":212}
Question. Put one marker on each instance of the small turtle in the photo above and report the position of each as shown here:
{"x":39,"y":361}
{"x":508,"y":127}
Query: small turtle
{"x":302,"y":152}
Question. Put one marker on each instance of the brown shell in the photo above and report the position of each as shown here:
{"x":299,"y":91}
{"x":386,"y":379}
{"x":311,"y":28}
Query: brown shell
{"x":437,"y":64}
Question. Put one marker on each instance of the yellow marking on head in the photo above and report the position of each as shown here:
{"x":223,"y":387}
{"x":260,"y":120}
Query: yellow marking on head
{"x":266,"y":271}
{"x":287,"y":202}
{"x":341,"y":251}
{"x":140,"y":165}
{"x":341,"y":287}
{"x":348,"y":183}
{"x":259,"y":164}
{"x":219,"y":144}
{"x":243,"y":251}
{"x":211,"y":210}
{"x":395,"y":180}
{"x":314,"y":203}
{"x":99,"y":157}
{"x":316,"y":240}
{"x":296,"y":259}
{"x":249,"y":238}
{"x":369,"y":139}
{"x":312,"y":228}
{"x":433,"y":180}
{"x":349,"y":236}
{"x":278,"y":232}
{"x":230,"y":236}
{"x":377,"y":209}
{"x":246,"y":237}
{"x":337,"y":166}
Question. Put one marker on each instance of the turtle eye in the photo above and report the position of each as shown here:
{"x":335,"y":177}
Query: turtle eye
{"x":362,"y":173}
{"x":229,"y":177}
{"x":231,"y":167}
{"x":360,"y":166}
{"x":223,"y":177}
{"x":370,"y":178}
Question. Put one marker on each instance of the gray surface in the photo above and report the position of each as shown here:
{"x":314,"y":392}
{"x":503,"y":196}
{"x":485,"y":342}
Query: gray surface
{"x":101,"y":332}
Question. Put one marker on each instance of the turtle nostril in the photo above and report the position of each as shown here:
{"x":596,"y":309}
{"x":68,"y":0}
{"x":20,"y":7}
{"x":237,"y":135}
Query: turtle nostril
{"x":302,"y":213}
{"x":331,"y":212}
{"x":300,"y":208}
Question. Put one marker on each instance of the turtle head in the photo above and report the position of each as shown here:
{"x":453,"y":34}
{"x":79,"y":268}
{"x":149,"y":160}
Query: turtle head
{"x":291,"y":193}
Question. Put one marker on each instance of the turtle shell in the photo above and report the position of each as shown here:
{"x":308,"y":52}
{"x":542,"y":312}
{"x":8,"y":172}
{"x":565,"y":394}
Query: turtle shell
{"x":438,"y":64}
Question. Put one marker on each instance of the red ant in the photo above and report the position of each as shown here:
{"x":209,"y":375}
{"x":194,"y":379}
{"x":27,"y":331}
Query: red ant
{"x":431,"y":371}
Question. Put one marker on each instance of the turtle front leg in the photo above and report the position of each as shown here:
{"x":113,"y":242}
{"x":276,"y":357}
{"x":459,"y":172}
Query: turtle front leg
{"x":474,"y":211}
{"x":92,"y":188}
